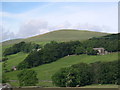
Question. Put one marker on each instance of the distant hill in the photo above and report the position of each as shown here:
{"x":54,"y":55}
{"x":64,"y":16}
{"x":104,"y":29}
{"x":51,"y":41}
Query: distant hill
{"x":66,"y":35}
{"x":12,"y":41}
{"x":59,"y":35}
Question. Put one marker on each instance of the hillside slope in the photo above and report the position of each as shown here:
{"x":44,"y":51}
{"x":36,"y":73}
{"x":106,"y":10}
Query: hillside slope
{"x":59,"y":35}
{"x":15,"y":59}
{"x":47,"y":70}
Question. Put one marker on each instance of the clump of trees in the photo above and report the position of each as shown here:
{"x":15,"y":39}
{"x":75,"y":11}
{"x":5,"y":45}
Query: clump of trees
{"x":32,"y":60}
{"x":90,"y":51}
{"x":27,"y":78}
{"x":85,"y":74}
{"x":109,"y":42}
{"x":21,"y":47}
{"x":76,"y":75}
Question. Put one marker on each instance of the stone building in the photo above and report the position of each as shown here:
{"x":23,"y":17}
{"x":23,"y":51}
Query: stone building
{"x":101,"y":51}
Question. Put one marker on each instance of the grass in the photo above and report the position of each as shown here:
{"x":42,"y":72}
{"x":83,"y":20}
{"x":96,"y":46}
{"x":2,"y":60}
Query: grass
{"x":4,"y":47}
{"x":47,"y":70}
{"x":66,"y":35}
{"x":15,"y":59}
{"x":101,"y":86}
{"x":45,"y":84}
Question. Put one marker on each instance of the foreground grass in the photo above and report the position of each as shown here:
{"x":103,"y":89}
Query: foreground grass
{"x":101,"y":86}
{"x":47,"y":70}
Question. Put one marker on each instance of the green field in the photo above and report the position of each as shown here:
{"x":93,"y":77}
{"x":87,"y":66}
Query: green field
{"x":59,"y":35}
{"x":47,"y":70}
{"x":15,"y":59}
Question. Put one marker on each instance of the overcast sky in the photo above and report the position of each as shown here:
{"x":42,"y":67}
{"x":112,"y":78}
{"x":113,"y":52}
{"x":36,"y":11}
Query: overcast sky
{"x":26,"y":19}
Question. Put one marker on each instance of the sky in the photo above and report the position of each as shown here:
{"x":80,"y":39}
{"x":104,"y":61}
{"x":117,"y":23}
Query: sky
{"x":26,"y":19}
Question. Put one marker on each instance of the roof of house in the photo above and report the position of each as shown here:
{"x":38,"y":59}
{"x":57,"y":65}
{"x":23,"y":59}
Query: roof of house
{"x":97,"y":48}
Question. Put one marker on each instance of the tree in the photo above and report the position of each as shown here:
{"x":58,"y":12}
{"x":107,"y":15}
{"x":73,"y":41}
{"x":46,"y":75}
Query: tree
{"x":80,"y":50}
{"x":83,"y":74}
{"x":20,"y":47}
{"x":90,"y":51}
{"x":27,"y":78}
{"x":76,"y":75}
{"x":4,"y":78}
{"x":108,"y":73}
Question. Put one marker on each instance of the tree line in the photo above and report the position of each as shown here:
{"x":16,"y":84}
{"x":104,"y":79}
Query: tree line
{"x":109,"y":42}
{"x":86,"y":74}
{"x":54,"y":51}
{"x":20,"y":47}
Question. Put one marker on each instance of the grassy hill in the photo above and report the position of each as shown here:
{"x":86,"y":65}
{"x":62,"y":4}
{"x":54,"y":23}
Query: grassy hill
{"x":66,"y":35}
{"x":10,"y":42}
{"x":47,"y":70}
{"x":59,"y":35}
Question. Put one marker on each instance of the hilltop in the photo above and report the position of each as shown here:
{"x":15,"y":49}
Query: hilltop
{"x":59,"y":35}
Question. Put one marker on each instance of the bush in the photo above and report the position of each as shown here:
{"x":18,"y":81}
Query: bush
{"x":27,"y":78}
{"x":90,"y":51}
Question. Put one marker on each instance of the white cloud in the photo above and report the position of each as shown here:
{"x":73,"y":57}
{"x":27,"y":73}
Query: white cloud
{"x":36,"y":21}
{"x":6,"y":34}
{"x":32,"y":27}
{"x":91,"y":27}
{"x":36,"y":27}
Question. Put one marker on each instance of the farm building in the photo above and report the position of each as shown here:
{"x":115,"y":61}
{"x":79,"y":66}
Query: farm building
{"x":101,"y":51}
